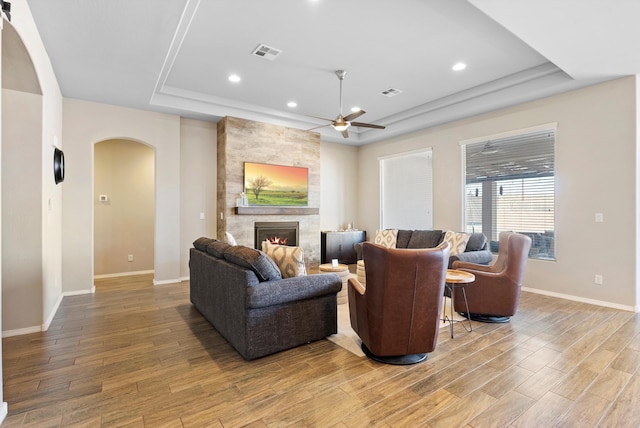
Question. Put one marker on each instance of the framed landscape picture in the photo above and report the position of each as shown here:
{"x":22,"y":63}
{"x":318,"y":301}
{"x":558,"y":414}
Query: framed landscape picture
{"x":279,"y":185}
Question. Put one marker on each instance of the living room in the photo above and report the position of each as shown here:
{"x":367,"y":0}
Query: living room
{"x":596,"y":172}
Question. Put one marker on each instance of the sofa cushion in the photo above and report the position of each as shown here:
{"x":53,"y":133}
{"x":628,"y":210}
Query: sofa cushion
{"x":404,"y":236}
{"x":264,"y":268}
{"x":477,"y":242}
{"x":386,"y":238}
{"x":202,"y":243}
{"x":217,"y":248}
{"x":290,"y":260}
{"x":425,"y":239}
{"x":457,"y":240}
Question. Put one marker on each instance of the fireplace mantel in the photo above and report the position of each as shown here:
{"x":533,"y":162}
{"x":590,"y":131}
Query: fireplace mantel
{"x":273,"y":210}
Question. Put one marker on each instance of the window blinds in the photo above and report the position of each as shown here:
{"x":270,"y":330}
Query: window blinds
{"x":510,"y":186}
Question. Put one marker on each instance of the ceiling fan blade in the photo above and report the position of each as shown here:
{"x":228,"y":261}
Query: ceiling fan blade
{"x":318,"y":127}
{"x":367,"y":125}
{"x":345,"y":133}
{"x":321,"y":118}
{"x":355,"y":114}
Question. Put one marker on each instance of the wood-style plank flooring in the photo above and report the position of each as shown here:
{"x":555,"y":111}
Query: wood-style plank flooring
{"x":136,"y":355}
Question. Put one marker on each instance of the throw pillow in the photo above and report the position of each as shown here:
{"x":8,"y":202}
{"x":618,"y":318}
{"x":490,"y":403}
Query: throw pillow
{"x":477,"y":242}
{"x":404,"y":236}
{"x":425,"y":239}
{"x":264,"y":268}
{"x":230,"y":239}
{"x":290,"y":260}
{"x":457,"y":241}
{"x":386,"y":238}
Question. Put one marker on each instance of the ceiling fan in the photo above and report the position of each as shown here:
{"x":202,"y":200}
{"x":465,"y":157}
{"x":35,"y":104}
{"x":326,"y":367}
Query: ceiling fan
{"x":487,"y":149}
{"x":342,"y":123}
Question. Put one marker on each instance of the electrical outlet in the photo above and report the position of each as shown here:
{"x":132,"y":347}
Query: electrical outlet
{"x":130,"y":257}
{"x":598,"y":279}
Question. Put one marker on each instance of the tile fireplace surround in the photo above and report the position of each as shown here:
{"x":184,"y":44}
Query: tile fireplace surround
{"x":240,"y":141}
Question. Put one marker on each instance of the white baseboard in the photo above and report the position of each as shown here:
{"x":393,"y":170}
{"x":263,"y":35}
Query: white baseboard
{"x":166,"y":281}
{"x":117,"y":275}
{"x":21,"y":331}
{"x":45,"y":326}
{"x":4,"y":411}
{"x":79,"y":292}
{"x":583,"y":300}
{"x":185,"y":278}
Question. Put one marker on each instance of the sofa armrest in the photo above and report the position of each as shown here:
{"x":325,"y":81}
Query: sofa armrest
{"x":482,"y":257}
{"x":269,"y":293}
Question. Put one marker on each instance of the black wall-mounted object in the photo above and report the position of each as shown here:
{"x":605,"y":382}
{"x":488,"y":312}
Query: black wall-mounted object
{"x":6,"y":8}
{"x":58,"y":165}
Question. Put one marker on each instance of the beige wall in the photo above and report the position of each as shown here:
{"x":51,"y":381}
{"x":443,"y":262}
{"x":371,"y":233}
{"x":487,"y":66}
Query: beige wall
{"x":595,"y":172}
{"x":87,"y":123}
{"x":28,"y":70}
{"x":198,"y":141}
{"x":48,"y":202}
{"x":338,"y":186}
{"x":21,"y":215}
{"x":124,"y":223}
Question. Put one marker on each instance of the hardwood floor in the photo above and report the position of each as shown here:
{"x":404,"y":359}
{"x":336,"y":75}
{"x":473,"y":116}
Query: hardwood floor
{"x":137,"y":355}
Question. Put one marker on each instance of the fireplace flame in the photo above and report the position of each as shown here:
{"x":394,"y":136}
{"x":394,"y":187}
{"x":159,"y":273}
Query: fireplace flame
{"x":276,"y":240}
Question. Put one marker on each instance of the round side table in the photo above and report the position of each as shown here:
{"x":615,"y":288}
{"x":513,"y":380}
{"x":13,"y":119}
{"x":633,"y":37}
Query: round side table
{"x":343,"y":271}
{"x":458,"y":279}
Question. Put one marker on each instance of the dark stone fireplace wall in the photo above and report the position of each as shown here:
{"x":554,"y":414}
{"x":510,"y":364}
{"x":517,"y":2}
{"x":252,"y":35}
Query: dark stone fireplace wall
{"x":240,"y":141}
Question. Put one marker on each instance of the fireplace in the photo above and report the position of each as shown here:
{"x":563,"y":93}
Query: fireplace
{"x":277,"y":232}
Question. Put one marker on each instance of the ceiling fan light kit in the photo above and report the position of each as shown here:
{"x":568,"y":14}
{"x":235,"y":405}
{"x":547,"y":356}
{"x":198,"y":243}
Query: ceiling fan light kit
{"x":342,"y":123}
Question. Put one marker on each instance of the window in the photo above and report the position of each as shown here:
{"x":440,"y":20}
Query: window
{"x":406,"y":194}
{"x":510,"y":186}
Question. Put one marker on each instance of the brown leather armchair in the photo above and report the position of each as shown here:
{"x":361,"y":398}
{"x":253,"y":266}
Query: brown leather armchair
{"x":494,"y":295}
{"x":397,"y":314}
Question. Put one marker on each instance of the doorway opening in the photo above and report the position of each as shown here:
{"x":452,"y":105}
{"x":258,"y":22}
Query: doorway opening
{"x":124,"y":208}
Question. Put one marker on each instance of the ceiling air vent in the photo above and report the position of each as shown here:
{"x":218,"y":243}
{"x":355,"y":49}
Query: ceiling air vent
{"x":266,"y":52}
{"x":391,"y":92}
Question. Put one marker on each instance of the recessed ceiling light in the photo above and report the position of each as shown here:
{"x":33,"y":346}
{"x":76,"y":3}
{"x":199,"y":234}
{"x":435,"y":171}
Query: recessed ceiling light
{"x":292,"y":104}
{"x":234,"y":78}
{"x":459,"y":66}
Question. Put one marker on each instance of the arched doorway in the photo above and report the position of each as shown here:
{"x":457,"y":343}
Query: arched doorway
{"x":23,"y":274}
{"x":124,"y":208}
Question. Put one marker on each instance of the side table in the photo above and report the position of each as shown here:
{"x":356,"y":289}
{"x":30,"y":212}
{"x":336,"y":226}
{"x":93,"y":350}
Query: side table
{"x":458,"y":279}
{"x":343,"y":271}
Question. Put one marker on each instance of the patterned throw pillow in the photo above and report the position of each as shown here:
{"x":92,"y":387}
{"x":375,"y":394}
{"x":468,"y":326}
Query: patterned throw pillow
{"x":458,"y":241}
{"x":290,"y":260}
{"x":386,"y":238}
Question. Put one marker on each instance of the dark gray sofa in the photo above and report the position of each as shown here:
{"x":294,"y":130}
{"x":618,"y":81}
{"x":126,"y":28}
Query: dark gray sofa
{"x":476,"y":251}
{"x":239,"y":292}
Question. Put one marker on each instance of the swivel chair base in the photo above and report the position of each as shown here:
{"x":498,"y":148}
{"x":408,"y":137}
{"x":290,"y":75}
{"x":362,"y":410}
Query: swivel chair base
{"x":399,"y":360}
{"x":487,"y":318}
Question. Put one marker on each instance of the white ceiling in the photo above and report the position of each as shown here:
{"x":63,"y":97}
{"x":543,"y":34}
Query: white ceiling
{"x":175,"y":56}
